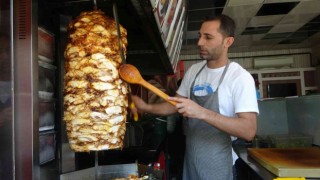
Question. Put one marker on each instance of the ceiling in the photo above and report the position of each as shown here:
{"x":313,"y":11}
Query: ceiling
{"x":261,"y":24}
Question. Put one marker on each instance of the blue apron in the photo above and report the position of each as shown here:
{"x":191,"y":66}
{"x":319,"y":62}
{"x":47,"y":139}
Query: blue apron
{"x":208,"y":153}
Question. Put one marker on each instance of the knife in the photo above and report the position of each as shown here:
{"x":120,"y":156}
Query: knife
{"x":116,"y":18}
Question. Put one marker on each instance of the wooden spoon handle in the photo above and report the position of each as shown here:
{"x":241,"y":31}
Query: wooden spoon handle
{"x":156,"y":91}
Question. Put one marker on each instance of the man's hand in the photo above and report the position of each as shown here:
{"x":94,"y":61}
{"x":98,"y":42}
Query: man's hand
{"x":140,"y":105}
{"x":244,"y":126}
{"x":187,"y":107}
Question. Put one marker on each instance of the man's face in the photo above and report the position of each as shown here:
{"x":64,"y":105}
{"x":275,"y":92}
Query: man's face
{"x":211,"y":41}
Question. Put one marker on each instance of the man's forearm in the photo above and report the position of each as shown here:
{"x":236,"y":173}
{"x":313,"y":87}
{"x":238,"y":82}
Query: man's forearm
{"x":162,"y":109}
{"x":243,"y":126}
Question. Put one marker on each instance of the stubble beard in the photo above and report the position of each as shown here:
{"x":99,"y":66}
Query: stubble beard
{"x":213,"y":55}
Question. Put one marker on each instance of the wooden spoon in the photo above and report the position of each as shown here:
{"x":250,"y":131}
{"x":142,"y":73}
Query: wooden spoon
{"x":131,"y":74}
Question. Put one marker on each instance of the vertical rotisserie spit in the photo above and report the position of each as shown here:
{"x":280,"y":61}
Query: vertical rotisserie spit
{"x":95,"y":98}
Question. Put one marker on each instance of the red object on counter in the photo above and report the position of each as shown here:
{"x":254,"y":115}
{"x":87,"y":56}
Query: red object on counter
{"x":161,"y":164}
{"x":181,"y":68}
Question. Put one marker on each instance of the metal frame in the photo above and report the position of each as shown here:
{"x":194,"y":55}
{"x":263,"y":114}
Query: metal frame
{"x":25,"y":75}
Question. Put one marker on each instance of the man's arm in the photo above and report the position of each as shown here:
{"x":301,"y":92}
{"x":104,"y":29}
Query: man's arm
{"x":163,"y":108}
{"x":244,"y":126}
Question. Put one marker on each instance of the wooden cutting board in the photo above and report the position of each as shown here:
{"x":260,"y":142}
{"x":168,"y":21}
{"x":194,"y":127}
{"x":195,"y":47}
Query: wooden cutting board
{"x":289,"y":162}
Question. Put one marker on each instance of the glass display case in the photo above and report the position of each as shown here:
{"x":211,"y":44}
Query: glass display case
{"x":47,"y":101}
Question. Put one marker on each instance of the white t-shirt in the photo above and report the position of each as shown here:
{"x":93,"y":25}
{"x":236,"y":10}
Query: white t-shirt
{"x":236,"y":92}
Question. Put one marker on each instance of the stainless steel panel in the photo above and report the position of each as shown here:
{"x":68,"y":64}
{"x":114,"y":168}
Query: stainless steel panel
{"x":273,"y":117}
{"x":26,"y":125}
{"x":85,"y":174}
{"x":67,"y":161}
{"x":304,"y":116}
{"x":67,"y":156}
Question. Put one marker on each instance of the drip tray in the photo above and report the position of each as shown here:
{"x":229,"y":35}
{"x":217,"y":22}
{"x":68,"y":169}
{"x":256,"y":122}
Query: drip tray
{"x":111,"y":172}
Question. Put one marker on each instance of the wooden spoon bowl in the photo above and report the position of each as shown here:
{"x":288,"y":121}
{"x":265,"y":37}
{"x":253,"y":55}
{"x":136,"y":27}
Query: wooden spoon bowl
{"x":131,"y":74}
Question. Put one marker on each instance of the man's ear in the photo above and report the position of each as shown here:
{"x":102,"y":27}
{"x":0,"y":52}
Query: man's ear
{"x":228,"y":41}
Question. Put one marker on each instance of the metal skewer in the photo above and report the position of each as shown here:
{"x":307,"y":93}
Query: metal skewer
{"x":96,"y":166}
{"x":95,"y":7}
{"x":123,"y":58}
{"x":116,"y":18}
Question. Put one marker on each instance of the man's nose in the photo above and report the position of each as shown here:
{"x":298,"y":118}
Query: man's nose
{"x":200,"y":42}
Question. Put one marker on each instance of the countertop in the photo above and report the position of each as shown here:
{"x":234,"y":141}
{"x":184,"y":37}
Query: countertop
{"x":241,"y":151}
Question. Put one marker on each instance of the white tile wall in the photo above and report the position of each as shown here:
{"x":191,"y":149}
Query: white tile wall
{"x":302,"y":57}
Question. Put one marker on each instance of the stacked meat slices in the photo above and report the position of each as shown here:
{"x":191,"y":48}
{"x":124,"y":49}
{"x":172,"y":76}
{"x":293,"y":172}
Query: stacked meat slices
{"x":95,"y":98}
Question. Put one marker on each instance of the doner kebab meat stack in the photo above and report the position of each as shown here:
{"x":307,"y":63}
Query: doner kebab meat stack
{"x":95,"y":98}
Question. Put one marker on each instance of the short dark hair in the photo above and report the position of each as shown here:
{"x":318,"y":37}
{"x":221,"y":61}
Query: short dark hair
{"x":227,"y":24}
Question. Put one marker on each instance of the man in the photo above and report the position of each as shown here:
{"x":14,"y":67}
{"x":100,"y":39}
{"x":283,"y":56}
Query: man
{"x":217,"y":97}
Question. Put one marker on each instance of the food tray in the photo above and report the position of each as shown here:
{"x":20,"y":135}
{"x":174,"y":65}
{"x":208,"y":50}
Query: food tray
{"x":111,"y":172}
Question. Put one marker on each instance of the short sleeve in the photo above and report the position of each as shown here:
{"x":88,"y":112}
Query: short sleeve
{"x":244,"y":94}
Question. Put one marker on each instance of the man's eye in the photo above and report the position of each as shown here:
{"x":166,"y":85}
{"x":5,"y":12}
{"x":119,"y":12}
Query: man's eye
{"x":209,"y":37}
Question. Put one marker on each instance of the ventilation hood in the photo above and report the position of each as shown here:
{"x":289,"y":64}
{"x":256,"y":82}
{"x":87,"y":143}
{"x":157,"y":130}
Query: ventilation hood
{"x":145,"y":49}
